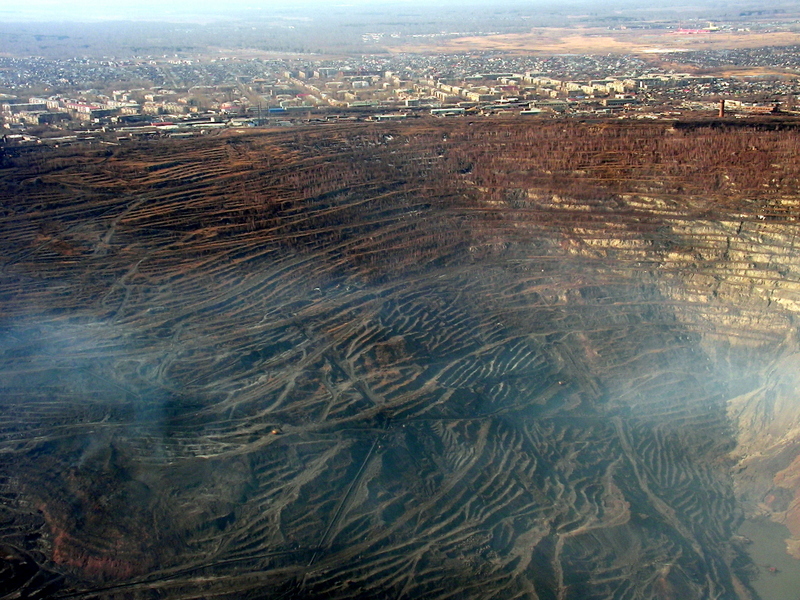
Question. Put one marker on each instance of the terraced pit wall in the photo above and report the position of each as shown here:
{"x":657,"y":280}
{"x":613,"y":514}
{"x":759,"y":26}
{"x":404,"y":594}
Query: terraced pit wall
{"x":456,"y":359}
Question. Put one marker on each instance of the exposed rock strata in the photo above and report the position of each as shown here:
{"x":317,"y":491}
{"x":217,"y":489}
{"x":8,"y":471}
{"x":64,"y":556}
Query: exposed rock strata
{"x":517,"y":360}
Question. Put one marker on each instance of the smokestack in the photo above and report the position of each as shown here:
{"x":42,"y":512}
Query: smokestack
{"x":721,"y":109}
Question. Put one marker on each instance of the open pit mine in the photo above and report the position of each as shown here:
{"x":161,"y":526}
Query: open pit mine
{"x":456,"y":359}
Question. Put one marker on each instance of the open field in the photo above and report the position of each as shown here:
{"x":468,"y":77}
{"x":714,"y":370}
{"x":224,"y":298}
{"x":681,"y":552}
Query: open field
{"x":455,"y":359}
{"x":601,"y":40}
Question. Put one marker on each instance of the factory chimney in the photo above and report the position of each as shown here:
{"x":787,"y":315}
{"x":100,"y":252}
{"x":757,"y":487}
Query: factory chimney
{"x":722,"y":109}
